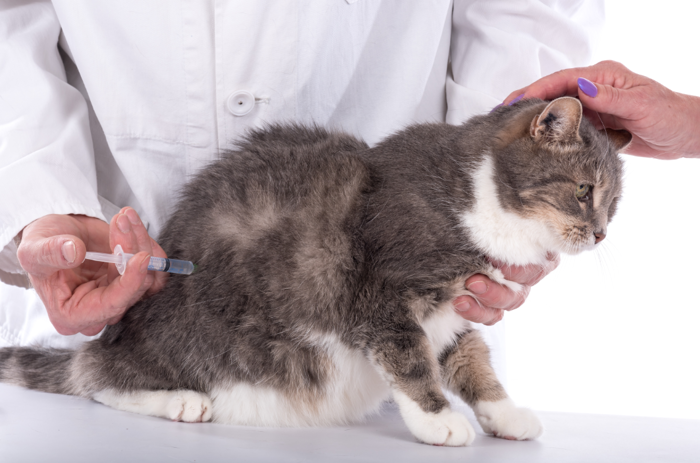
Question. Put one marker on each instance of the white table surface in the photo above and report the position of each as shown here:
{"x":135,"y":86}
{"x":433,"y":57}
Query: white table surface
{"x":39,"y":427}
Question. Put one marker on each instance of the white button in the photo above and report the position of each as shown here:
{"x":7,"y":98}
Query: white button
{"x":240,"y":103}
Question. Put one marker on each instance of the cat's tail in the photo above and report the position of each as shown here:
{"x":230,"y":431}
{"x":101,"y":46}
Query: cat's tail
{"x":42,"y":369}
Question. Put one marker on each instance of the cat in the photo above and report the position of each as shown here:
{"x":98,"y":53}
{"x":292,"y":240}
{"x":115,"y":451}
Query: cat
{"x":327,"y":270}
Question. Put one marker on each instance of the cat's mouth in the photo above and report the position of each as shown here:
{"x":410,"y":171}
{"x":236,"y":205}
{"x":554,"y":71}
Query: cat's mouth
{"x":576,"y":240}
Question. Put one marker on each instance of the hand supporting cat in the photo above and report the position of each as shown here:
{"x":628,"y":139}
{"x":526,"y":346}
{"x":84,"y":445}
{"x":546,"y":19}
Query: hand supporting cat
{"x":494,"y":299}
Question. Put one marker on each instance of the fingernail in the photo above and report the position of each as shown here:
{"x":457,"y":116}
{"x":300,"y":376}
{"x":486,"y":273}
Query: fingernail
{"x":496,"y":107}
{"x":143,"y":266}
{"x":478,"y":287}
{"x":587,"y":87}
{"x":463,"y":306}
{"x":123,"y":224}
{"x":68,"y":251}
{"x":132,"y":216}
{"x":516,"y":99}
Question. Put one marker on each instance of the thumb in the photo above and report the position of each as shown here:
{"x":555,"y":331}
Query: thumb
{"x":48,"y":255}
{"x":606,"y":99}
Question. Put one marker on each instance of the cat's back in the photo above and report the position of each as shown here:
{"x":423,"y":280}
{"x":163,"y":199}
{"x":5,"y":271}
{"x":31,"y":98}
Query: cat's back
{"x":288,"y":178}
{"x":272,"y":228}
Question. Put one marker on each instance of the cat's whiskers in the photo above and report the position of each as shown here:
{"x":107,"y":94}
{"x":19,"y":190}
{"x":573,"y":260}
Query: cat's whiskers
{"x":605,"y":256}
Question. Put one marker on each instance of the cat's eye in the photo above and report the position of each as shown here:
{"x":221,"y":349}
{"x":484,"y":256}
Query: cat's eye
{"x":583,"y":192}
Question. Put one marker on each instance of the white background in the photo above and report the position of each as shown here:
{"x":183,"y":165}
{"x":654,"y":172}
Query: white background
{"x":617,"y":331}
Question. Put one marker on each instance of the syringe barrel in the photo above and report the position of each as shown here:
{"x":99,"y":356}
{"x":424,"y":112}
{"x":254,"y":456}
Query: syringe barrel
{"x":160,"y":264}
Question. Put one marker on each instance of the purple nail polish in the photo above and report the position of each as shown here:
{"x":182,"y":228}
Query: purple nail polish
{"x":587,"y":87}
{"x":516,"y":99}
{"x":496,"y":107}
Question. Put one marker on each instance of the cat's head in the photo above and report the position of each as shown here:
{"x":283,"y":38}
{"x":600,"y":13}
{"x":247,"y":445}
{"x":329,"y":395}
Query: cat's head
{"x":552,"y":165}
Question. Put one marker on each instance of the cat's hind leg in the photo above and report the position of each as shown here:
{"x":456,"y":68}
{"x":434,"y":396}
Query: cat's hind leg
{"x":467,"y":371}
{"x":180,"y":405}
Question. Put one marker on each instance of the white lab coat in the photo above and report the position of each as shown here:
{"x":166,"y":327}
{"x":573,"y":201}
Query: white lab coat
{"x":145,"y":92}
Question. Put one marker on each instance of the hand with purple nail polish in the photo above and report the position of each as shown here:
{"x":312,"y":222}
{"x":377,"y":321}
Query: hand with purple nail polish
{"x":663,"y":123}
{"x":84,"y":297}
{"x":491,"y":299}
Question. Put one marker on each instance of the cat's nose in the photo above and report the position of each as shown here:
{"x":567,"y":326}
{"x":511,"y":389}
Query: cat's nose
{"x":599,"y":236}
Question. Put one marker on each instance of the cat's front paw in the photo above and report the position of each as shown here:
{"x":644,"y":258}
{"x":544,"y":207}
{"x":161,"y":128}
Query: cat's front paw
{"x":444,"y":428}
{"x":503,"y":419}
{"x":190,"y":407}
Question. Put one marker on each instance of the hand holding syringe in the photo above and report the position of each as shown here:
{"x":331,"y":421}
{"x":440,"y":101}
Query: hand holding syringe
{"x":159,"y":264}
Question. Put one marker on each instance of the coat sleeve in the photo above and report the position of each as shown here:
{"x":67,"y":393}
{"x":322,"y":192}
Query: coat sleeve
{"x":47,"y":164}
{"x":501,"y":45}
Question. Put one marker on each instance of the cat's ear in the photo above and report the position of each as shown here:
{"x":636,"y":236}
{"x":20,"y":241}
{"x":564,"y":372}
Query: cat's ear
{"x":559,"y":122}
{"x":619,"y":139}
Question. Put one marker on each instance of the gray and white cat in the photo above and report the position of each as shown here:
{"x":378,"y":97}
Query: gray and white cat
{"x":326,"y":271}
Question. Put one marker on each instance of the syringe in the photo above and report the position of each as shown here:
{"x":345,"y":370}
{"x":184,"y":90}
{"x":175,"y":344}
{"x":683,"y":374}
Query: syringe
{"x":159,"y":264}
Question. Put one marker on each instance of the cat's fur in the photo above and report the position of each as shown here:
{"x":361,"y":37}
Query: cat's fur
{"x":326,"y":271}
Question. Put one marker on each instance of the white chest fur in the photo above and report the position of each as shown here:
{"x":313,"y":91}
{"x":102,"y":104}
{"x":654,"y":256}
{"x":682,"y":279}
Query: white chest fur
{"x":443,"y":327}
{"x":500,"y":234}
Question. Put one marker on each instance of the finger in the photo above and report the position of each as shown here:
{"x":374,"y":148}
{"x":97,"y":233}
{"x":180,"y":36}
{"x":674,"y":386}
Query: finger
{"x":159,"y":278}
{"x":140,"y":235}
{"x":65,"y":306}
{"x":565,"y":82}
{"x":128,"y":288}
{"x":493,"y":295}
{"x":148,"y":244}
{"x":469,"y":309}
{"x":115,"y":320}
{"x":602,"y":121}
{"x":562,"y":83}
{"x":119,"y":234}
{"x":122,"y":232}
{"x":618,"y":102}
{"x":94,"y":329}
{"x":144,"y":242}
{"x":513,"y":95}
{"x":93,"y":305}
{"x":525,"y":275}
{"x":528,"y":275}
{"x":127,"y":230}
{"x":45,"y":256}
